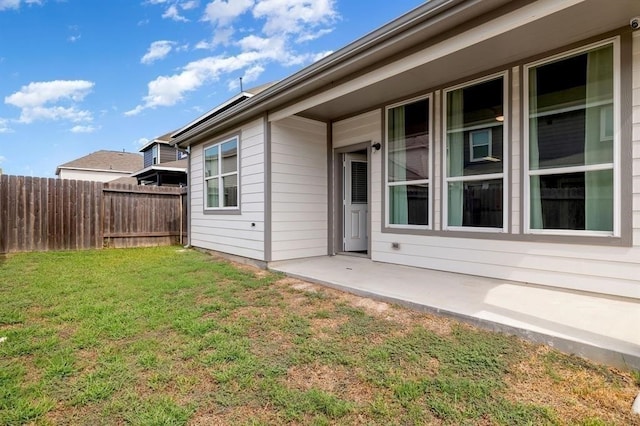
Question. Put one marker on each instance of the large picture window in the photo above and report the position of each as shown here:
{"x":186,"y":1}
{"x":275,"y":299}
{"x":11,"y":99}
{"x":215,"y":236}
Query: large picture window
{"x":408,"y":168}
{"x":475,"y":155}
{"x":571,"y":143}
{"x":221,"y":175}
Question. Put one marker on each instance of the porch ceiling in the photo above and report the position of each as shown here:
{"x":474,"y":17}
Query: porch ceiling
{"x":579,"y":22}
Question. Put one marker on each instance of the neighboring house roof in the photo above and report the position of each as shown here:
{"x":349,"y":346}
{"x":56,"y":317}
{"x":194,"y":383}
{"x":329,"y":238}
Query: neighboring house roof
{"x":169,"y":166}
{"x":125,"y":180}
{"x":105,"y":161}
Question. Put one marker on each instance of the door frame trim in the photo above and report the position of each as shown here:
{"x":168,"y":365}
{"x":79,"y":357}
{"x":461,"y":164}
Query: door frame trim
{"x":336,"y":213}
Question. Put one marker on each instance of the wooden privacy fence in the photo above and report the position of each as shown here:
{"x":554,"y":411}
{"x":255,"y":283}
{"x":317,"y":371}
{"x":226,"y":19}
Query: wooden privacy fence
{"x":40,"y":214}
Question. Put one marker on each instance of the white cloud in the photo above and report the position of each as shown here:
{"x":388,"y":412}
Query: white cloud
{"x":35,"y":100}
{"x":188,"y":5}
{"x":15,"y":4}
{"x":223,"y":12}
{"x":75,"y":36}
{"x":250,"y":75}
{"x":4,"y":126}
{"x":310,"y":36}
{"x":140,"y":143}
{"x":158,"y":50}
{"x":83,"y":129}
{"x":282,"y":26}
{"x":172,"y":12}
{"x":294,"y":16}
{"x":9,"y":4}
{"x":321,"y":55}
{"x":169,"y":90}
{"x":2,"y":159}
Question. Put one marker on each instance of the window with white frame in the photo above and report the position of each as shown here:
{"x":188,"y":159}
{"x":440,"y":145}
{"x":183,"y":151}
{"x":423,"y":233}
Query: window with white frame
{"x":221,"y":175}
{"x":408,"y":164}
{"x":480,"y":145}
{"x":571,"y":143}
{"x":475,"y":177}
{"x":155,"y":156}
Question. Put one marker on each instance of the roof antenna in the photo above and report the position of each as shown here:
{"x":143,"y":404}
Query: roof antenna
{"x":241,"y":89}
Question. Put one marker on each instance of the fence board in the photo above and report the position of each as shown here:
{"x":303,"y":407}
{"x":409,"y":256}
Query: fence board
{"x":38,"y":214}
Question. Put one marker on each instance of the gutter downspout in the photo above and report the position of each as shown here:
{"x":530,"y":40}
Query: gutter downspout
{"x":188,"y":150}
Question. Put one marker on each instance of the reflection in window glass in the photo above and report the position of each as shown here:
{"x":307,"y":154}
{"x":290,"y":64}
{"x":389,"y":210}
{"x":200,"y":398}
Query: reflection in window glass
{"x":474,"y":155}
{"x":408,"y":166}
{"x":571,"y":126}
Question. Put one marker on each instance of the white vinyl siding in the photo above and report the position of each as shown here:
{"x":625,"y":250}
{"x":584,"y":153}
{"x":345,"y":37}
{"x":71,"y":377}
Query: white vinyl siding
{"x":238,"y":234}
{"x":608,"y":270}
{"x":299,"y":194}
{"x":636,"y":138}
{"x":602,"y":269}
{"x":361,"y":128}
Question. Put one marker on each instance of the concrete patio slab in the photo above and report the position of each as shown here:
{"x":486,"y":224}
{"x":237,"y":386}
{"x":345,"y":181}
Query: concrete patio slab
{"x":601,"y":328}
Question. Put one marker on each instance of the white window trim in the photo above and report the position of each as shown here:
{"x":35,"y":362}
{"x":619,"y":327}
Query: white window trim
{"x":615,"y":41}
{"x":506,"y":94}
{"x":220,"y":175}
{"x":428,"y":181}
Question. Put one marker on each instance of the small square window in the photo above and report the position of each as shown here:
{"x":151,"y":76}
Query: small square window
{"x":480,"y":145}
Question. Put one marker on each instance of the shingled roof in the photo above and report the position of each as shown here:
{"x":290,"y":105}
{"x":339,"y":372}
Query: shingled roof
{"x":104,"y":160}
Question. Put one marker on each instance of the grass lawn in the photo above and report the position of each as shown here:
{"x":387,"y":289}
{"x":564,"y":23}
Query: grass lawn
{"x":166,"y":336}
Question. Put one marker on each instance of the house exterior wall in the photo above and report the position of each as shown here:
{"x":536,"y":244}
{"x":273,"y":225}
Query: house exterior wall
{"x":95,"y":176}
{"x":362,"y":128}
{"x":636,"y":138}
{"x":299,"y":196}
{"x":587,"y":267}
{"x":239,"y":232}
{"x":167,"y":153}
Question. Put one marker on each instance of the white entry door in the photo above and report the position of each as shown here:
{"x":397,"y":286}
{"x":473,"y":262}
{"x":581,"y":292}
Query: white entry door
{"x":355,"y":202}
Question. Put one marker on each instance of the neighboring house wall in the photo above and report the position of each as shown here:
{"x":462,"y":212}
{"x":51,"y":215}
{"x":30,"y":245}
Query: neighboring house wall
{"x":164,"y":153}
{"x":236,"y":232}
{"x":299,"y":196}
{"x":91,"y":175}
{"x":167,"y":153}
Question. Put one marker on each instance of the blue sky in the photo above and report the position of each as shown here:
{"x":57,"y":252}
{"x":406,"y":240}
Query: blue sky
{"x":78,"y":76}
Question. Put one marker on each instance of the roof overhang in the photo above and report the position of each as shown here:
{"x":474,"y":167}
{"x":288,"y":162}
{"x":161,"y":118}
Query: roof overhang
{"x":230,"y":103}
{"x":87,"y":169}
{"x":159,"y":168}
{"x":153,"y":142}
{"x":433,"y":45}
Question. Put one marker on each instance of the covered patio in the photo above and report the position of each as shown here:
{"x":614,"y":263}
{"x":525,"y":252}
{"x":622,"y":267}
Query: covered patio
{"x":601,"y":328}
